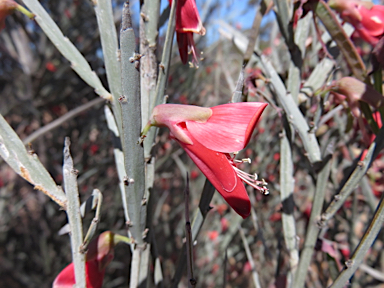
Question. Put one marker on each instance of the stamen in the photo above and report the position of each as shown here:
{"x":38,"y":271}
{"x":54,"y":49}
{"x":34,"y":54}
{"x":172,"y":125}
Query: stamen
{"x":248,"y":178}
{"x":252,"y":181}
{"x":234,"y":161}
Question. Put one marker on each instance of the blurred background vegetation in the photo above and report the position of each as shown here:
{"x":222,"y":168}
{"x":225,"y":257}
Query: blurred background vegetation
{"x":38,"y":86}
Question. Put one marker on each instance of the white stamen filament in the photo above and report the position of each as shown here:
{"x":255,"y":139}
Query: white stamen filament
{"x":248,"y":178}
{"x":252,"y":181}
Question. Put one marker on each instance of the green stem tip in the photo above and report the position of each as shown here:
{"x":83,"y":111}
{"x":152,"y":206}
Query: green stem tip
{"x":25,"y":11}
{"x":117,"y":238}
{"x":145,"y":130}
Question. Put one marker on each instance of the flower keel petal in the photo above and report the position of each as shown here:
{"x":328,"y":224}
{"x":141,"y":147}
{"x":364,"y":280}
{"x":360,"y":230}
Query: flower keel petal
{"x":221,"y":174}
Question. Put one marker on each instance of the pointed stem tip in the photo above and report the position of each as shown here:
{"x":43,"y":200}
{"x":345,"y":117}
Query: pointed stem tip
{"x":126,"y":20}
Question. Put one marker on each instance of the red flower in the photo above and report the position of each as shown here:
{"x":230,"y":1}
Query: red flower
{"x":100,"y":253}
{"x":187,"y":22}
{"x":212,"y":235}
{"x":372,"y":23}
{"x":7,"y":7}
{"x":367,"y":18}
{"x":208,"y":135}
{"x":50,"y":67}
{"x":94,"y":276}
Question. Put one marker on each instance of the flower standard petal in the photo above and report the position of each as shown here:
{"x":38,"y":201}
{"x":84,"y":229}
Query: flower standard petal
{"x":230,"y":126}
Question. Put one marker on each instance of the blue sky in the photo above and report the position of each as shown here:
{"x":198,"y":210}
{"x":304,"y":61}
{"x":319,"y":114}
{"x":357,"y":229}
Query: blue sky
{"x":237,"y":13}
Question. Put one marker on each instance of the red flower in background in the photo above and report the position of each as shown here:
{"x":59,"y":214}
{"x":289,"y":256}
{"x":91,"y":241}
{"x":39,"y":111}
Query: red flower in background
{"x":187,"y":22}
{"x":208,"y":135}
{"x":7,"y":7}
{"x":367,"y":18}
{"x":372,"y":23}
{"x":100,"y":253}
{"x":350,"y":92}
{"x":94,"y":276}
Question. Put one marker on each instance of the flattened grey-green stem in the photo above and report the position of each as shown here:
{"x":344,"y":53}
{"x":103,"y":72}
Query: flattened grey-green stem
{"x":188,"y":236}
{"x":149,"y":22}
{"x":166,"y":57}
{"x":27,"y":164}
{"x":287,"y":218}
{"x":119,"y":158}
{"x":297,"y":55}
{"x":109,"y":44}
{"x":74,"y":216}
{"x":131,"y":115}
{"x":312,"y":229}
{"x":148,"y":64}
{"x":284,"y":16}
{"x":163,"y":74}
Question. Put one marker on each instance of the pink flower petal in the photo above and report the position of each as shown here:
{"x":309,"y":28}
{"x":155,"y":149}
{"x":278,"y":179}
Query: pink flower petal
{"x":229,"y":128}
{"x":216,"y":167}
